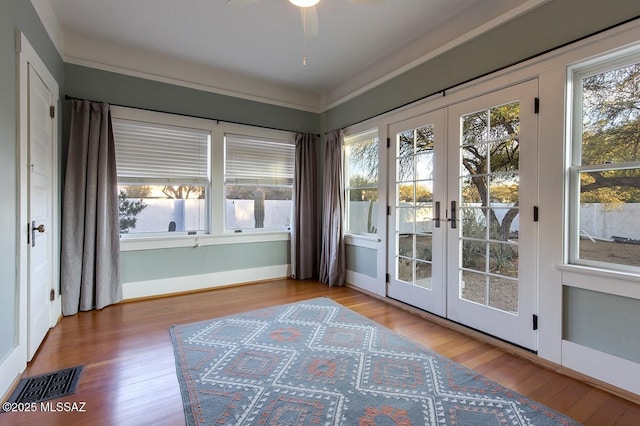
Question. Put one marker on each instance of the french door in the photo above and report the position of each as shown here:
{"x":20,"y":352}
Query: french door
{"x":463,"y":185}
{"x":417,"y":245}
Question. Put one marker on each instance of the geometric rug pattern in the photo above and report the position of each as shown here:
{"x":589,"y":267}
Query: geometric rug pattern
{"x":318,"y":363}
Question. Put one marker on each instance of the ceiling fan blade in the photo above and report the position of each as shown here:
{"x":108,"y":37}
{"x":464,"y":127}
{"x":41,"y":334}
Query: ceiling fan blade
{"x":309,"y":21}
{"x":240,"y":2}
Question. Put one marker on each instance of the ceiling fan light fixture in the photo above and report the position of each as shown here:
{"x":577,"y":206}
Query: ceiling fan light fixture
{"x":304,"y":3}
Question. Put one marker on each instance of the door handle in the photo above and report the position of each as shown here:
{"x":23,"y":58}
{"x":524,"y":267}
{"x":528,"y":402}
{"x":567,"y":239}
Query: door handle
{"x":34,"y":228}
{"x":437,"y":218}
{"x":453,"y":215}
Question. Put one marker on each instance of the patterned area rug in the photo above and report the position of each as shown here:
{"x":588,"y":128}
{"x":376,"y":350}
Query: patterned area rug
{"x":319,"y":363}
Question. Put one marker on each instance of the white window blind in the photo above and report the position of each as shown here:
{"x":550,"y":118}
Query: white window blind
{"x":150,"y":152}
{"x":250,"y":161}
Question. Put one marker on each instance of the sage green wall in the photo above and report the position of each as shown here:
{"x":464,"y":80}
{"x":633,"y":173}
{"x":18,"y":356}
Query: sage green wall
{"x":553,"y":24}
{"x":601,"y":321}
{"x":178,"y":262}
{"x":120,"y":89}
{"x":89,"y":83}
{"x":362,"y":260}
{"x":14,"y":15}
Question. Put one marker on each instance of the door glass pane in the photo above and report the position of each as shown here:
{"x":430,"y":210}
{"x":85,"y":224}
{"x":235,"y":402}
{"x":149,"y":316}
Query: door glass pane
{"x":406,"y":220}
{"x":423,"y":274}
{"x":474,"y":222}
{"x":503,"y":259}
{"x":414,"y":206}
{"x":423,"y":218}
{"x":489,"y":176}
{"x":504,"y":217}
{"x":424,"y":165}
{"x":473,"y":287}
{"x":405,"y":245}
{"x":474,"y":255}
{"x":405,"y":193}
{"x":503,"y":294}
{"x":469,"y":190}
{"x":423,"y":247}
{"x":404,"y":266}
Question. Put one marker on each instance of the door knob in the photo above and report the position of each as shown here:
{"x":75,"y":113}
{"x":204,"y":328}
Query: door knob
{"x":34,"y":228}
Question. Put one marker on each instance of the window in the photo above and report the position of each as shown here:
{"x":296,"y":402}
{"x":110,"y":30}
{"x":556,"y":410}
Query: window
{"x":361,"y":182}
{"x":605,"y":168}
{"x":258,"y":182}
{"x":163,"y":177}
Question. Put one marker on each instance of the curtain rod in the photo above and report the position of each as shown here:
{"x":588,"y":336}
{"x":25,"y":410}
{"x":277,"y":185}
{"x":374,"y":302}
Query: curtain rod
{"x":73,"y":98}
{"x":453,"y":86}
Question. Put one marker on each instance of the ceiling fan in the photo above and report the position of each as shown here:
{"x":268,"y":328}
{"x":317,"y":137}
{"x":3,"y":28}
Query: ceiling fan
{"x":308,"y":12}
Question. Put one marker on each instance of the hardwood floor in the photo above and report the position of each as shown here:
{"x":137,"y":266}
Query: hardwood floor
{"x":129,"y":376}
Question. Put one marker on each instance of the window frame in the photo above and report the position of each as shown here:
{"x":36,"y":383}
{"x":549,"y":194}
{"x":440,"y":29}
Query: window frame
{"x":372,"y":134}
{"x":201,"y":178}
{"x":272,"y":141}
{"x":575,"y":75}
{"x":216,"y":196}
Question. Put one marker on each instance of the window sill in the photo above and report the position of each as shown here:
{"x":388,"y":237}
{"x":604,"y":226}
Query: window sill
{"x":177,"y":241}
{"x":623,"y":284}
{"x":606,"y":273}
{"x":368,"y":241}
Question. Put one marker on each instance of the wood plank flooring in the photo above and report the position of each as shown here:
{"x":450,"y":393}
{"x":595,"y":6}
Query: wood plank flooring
{"x":129,"y":376}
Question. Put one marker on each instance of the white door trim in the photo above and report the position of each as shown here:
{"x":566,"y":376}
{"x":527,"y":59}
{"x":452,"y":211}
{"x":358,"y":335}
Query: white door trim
{"x":16,"y":361}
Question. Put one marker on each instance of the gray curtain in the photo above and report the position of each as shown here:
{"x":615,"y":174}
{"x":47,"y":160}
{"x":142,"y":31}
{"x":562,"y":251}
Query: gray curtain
{"x":332,"y":254}
{"x":304,"y":231}
{"x":90,"y":252}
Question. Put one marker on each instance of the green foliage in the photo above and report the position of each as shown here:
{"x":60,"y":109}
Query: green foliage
{"x":611,"y":134}
{"x":422,"y":194}
{"x":128,"y":211}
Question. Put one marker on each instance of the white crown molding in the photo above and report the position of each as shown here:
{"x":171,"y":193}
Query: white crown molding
{"x":167,"y":69}
{"x":50,"y":22}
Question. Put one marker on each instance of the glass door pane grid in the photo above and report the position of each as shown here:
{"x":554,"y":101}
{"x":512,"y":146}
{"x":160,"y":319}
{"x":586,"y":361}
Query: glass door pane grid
{"x":489,"y":194}
{"x":414,"y":210}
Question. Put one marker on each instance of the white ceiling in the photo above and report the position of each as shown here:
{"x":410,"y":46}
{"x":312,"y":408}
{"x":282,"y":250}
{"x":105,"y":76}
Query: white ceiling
{"x":359,"y":45}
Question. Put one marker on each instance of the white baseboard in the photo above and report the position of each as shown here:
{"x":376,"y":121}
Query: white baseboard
{"x":141,"y":289}
{"x":610,"y":369}
{"x":365,"y":282}
{"x":10,"y":369}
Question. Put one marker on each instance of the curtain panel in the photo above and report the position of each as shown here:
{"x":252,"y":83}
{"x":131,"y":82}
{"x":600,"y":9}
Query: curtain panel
{"x":90,"y":251}
{"x":332,"y":255}
{"x":304,"y":231}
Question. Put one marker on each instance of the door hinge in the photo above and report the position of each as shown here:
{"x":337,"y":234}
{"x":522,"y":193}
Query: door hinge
{"x":388,"y":142}
{"x":535,"y":322}
{"x":52,"y":111}
{"x":28,"y":233}
{"x":536,"y":213}
{"x":387,"y":278}
{"x":388,"y":210}
{"x":536,"y":105}
{"x":52,"y":295}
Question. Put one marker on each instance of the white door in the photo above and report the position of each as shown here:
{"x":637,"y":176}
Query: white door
{"x":462,"y":236}
{"x":40,"y":176}
{"x":416,"y":233}
{"x":492,"y":186}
